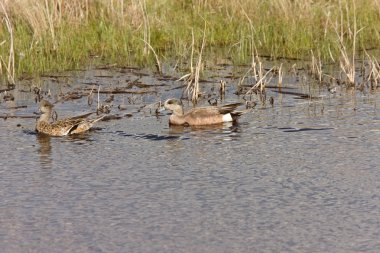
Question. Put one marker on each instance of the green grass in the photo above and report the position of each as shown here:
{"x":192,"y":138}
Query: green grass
{"x":281,"y":28}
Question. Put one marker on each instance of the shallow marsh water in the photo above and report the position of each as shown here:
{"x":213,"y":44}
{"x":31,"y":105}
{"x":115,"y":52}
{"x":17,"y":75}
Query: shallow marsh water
{"x":301,"y":176}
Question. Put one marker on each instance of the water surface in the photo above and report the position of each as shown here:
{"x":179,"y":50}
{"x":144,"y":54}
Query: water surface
{"x":301,"y":176}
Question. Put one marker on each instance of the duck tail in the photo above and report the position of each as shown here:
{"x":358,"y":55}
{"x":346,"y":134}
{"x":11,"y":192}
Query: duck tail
{"x":236,"y":114}
{"x":83,"y":116}
{"x":97,"y":119}
{"x":228,"y":108}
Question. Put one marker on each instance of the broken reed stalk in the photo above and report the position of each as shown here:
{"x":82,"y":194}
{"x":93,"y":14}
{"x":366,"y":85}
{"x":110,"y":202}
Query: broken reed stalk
{"x":316,"y":67}
{"x":192,"y":52}
{"x":158,"y":63}
{"x":260,"y":85}
{"x":196,"y":91}
{"x":280,"y":76}
{"x":10,"y":68}
{"x":190,"y":76}
{"x":241,"y":80}
{"x":146,"y":25}
{"x":90,"y":97}
{"x":260,"y":73}
{"x":257,"y":71}
{"x":98,"y":105}
{"x":374,"y":73}
{"x":222,"y":89}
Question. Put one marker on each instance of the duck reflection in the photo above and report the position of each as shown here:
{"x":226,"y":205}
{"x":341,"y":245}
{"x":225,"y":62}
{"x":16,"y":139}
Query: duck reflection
{"x":45,"y":147}
{"x":224,"y":128}
{"x":45,"y":151}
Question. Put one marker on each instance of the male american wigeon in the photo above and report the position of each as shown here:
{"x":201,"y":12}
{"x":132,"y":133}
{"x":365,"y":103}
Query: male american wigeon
{"x":73,"y":125}
{"x":202,"y":115}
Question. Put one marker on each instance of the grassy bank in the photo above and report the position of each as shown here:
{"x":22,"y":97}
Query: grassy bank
{"x":51,"y":35}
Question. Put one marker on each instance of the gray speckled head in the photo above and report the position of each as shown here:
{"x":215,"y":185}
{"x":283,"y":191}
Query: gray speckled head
{"x":45,"y":106}
{"x":174,"y":105}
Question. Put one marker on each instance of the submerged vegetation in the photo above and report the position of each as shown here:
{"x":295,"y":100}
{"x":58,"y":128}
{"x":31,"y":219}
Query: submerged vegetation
{"x":49,"y":35}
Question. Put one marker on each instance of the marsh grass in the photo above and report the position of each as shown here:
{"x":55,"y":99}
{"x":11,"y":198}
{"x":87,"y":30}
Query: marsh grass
{"x":60,"y":35}
{"x":10,"y":66}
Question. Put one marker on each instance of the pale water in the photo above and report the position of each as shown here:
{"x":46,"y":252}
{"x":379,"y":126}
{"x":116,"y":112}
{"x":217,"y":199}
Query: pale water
{"x":301,"y":176}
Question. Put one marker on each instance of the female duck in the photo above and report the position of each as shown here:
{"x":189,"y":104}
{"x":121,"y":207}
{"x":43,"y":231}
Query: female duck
{"x":73,"y":125}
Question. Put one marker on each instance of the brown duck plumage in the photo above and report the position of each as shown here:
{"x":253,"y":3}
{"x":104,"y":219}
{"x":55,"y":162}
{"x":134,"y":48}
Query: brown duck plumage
{"x":73,"y":125}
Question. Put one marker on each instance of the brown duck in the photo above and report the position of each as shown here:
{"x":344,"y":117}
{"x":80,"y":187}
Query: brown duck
{"x":73,"y":125}
{"x":202,"y":115}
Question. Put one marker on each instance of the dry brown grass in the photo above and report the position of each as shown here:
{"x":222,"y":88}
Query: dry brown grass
{"x":192,"y":79}
{"x":373,"y":77}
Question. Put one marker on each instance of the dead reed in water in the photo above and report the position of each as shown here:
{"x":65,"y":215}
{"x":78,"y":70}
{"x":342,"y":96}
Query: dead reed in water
{"x":192,"y":79}
{"x":373,"y":77}
{"x":316,"y":67}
